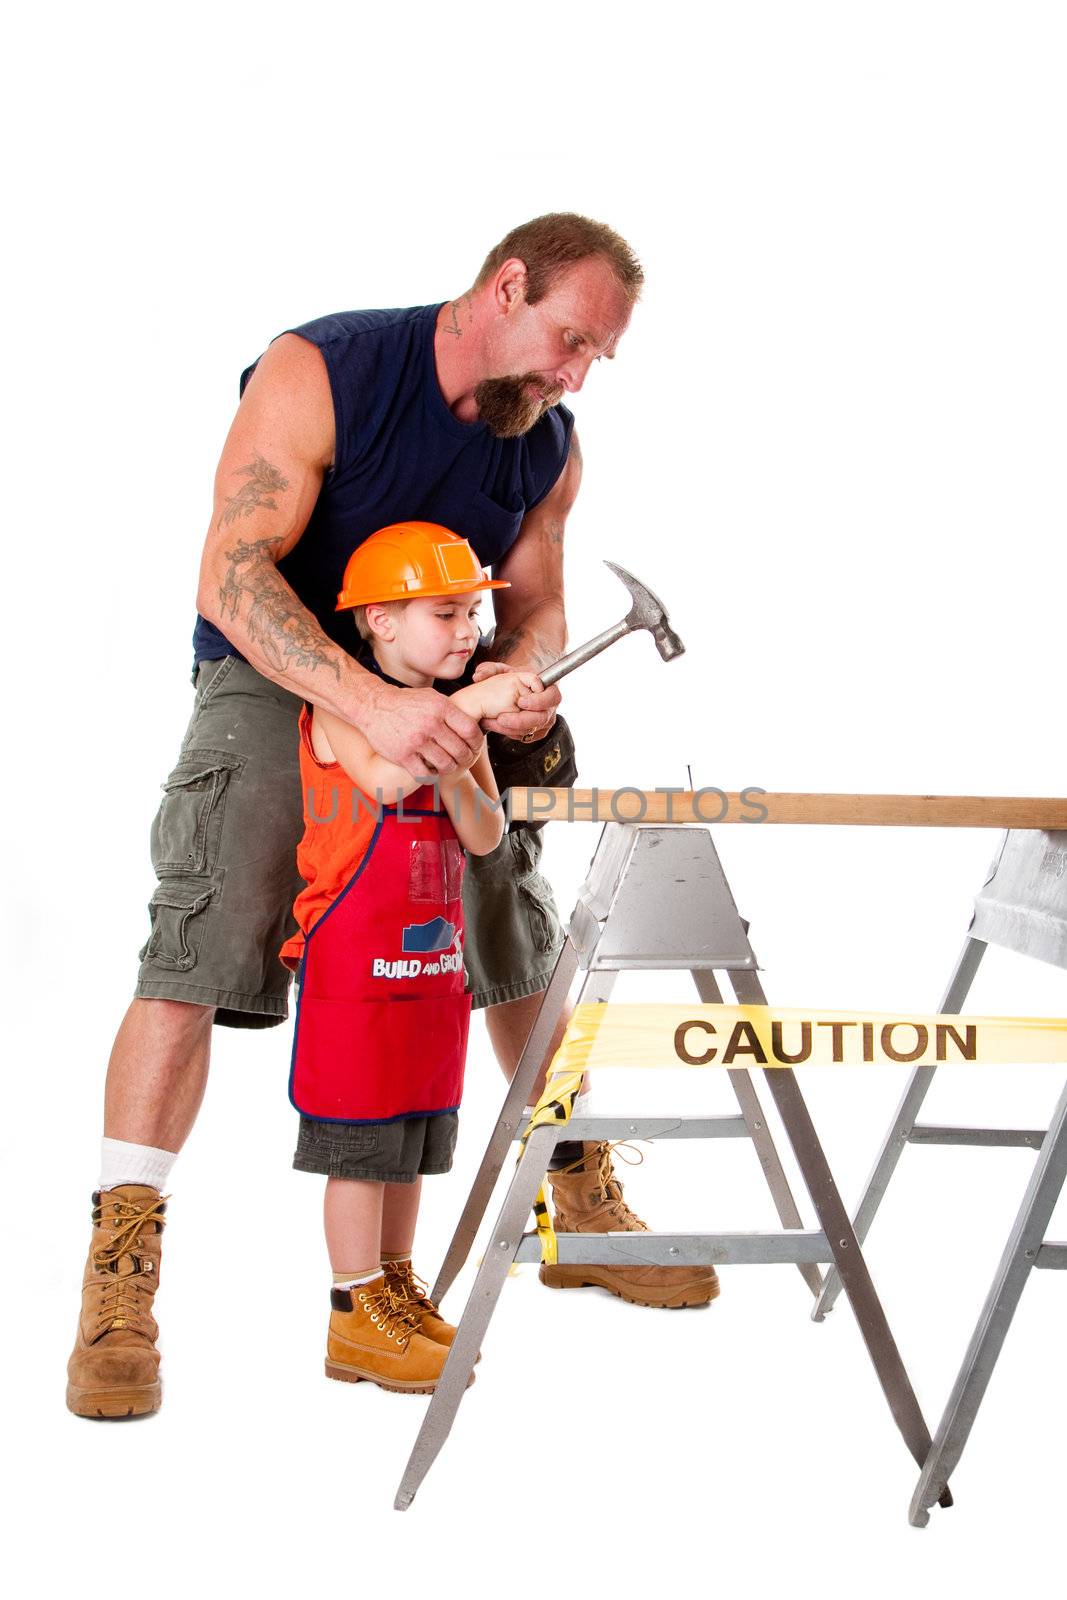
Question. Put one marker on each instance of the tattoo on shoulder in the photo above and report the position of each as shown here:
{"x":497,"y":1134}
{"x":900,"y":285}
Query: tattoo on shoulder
{"x":555,"y":532}
{"x":264,"y":482}
{"x":575,"y":452}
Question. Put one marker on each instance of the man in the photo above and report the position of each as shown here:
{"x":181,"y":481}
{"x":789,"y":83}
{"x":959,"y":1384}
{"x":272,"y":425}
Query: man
{"x":447,"y":413}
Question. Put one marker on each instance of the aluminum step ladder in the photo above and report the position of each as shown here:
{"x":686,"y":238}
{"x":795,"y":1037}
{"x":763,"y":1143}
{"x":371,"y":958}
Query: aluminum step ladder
{"x":655,"y":898}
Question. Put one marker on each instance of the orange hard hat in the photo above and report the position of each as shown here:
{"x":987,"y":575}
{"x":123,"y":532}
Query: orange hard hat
{"x":409,"y":559}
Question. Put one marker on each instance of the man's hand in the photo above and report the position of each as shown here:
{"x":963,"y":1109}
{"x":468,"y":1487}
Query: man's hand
{"x":421,"y":730}
{"x":535,"y":708}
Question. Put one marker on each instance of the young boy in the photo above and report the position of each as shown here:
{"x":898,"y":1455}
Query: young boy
{"x":381,"y":1025}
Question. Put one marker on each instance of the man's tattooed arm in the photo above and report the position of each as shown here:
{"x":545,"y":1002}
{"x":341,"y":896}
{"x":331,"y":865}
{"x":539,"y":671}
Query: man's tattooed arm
{"x":272,"y":625}
{"x":280,"y":447}
{"x":528,"y":644}
{"x":274,"y":619}
{"x":264,"y":482}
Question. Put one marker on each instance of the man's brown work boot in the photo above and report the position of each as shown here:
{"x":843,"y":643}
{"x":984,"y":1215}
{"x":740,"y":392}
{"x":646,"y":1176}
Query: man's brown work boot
{"x":587,"y":1198}
{"x":374,"y":1337}
{"x":114,"y":1368}
{"x":403,"y":1285}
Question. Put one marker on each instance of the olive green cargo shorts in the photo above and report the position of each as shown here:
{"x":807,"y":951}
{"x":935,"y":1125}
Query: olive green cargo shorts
{"x":224,"y":849}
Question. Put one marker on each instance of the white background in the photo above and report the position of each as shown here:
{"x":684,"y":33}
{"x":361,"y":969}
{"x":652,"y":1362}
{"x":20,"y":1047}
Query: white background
{"x":833,"y":442}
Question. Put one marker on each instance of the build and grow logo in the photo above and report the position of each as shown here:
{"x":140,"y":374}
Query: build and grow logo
{"x":437,"y":939}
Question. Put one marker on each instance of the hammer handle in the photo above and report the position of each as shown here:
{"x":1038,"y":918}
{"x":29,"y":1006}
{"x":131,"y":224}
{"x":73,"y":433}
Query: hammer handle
{"x":585,"y":652}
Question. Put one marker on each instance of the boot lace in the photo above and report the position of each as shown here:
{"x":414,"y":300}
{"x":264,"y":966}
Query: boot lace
{"x":402,"y":1280}
{"x":121,"y":1300}
{"x":608,"y":1184}
{"x":395,"y":1318}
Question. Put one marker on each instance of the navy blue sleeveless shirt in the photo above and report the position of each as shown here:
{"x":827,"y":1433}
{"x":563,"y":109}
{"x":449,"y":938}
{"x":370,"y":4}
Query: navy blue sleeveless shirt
{"x":402,"y":456}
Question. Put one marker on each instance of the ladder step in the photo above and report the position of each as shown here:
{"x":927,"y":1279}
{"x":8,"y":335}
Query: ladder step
{"x":1052,"y":1255}
{"x":681,"y":1249}
{"x":1007,"y":1138}
{"x":597,"y":1129}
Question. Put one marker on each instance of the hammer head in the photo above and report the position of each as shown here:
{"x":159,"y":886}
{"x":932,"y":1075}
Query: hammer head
{"x":648,"y":611}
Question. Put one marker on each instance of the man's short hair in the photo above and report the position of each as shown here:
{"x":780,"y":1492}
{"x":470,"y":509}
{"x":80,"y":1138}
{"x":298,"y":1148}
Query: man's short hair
{"x":552,"y":243}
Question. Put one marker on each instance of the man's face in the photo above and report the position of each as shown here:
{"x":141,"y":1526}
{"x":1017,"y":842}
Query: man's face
{"x":539,"y":353}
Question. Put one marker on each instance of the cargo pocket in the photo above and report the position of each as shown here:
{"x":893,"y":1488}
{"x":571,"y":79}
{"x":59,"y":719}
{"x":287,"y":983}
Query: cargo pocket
{"x":177,"y":925}
{"x":535,"y":893}
{"x":345,"y":1138}
{"x":188,"y":825}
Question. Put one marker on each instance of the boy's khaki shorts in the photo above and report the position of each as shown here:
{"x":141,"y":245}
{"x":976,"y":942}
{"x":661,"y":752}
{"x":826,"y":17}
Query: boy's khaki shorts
{"x":224,"y":848}
{"x":378,"y":1152}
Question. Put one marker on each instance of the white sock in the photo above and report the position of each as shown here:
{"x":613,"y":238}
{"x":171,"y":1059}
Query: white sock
{"x":341,"y":1282}
{"x":134,"y":1163}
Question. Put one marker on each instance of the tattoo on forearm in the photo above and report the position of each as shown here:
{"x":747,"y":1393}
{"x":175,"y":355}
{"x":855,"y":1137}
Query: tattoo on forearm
{"x":264,"y":482}
{"x":283,"y":629}
{"x":505,"y":645}
{"x":245,"y":553}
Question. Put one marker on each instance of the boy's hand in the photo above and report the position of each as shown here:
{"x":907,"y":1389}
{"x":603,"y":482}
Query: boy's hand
{"x":532,"y":716}
{"x":500,"y":692}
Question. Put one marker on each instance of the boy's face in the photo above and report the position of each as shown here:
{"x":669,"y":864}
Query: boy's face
{"x":437,"y":636}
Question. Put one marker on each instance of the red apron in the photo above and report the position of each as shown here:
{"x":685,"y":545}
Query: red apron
{"x":381,"y":1019}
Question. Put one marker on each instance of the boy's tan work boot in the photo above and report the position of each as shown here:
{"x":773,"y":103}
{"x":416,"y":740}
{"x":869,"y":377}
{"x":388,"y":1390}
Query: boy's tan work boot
{"x":114,"y":1368}
{"x":403,"y":1285}
{"x":374,"y":1337}
{"x":587,"y":1198}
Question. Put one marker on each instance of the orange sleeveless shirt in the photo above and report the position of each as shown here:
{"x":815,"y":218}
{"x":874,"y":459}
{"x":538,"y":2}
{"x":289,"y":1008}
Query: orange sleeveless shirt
{"x":339,"y":822}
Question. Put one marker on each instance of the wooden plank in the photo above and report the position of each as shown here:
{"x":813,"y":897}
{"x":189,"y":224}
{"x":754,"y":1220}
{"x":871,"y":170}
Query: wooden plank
{"x":756,"y":806}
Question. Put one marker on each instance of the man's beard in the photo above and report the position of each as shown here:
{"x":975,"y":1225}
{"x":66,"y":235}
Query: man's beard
{"x":507,"y":407}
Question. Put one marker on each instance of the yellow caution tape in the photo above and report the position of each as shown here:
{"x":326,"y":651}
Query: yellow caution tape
{"x":773,"y":1036}
{"x":555,"y":1105}
{"x":701,"y":1035}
